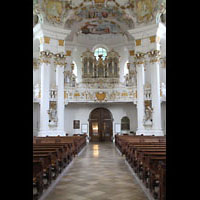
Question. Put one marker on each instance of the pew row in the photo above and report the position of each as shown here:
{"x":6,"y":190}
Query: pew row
{"x":147,"y":157}
{"x":50,"y":156}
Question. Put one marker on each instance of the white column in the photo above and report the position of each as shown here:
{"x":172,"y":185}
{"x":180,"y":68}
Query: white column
{"x":155,"y":92}
{"x":45,"y":57}
{"x":60,"y":63}
{"x":140,"y":93}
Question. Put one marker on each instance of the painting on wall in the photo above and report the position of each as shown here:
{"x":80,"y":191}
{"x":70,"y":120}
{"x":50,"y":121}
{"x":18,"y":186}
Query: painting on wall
{"x":76,"y":124}
{"x":100,"y":27}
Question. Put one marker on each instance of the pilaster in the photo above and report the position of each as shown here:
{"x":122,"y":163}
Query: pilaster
{"x":45,"y":61}
{"x":140,"y":91}
{"x":155,"y":91}
{"x":60,"y":63}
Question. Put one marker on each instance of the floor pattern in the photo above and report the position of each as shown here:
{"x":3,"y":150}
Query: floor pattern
{"x":99,"y":173}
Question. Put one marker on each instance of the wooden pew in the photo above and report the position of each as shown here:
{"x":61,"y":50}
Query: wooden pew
{"x":54,"y":161}
{"x":37,"y":178}
{"x":62,"y":157}
{"x":147,"y":157}
{"x":65,"y":147}
{"x":50,"y":156}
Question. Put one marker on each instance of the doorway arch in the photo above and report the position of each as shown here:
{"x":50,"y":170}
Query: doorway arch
{"x":100,"y":125}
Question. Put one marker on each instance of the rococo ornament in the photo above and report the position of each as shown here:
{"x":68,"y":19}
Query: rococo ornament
{"x":60,"y":59}
{"x":139,"y":58}
{"x":154,"y":55}
{"x":45,"y":57}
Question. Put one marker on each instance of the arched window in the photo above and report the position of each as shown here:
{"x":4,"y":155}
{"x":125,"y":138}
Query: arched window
{"x":125,"y":123}
{"x":100,"y":51}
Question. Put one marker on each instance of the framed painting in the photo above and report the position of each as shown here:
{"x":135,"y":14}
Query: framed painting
{"x":76,"y":124}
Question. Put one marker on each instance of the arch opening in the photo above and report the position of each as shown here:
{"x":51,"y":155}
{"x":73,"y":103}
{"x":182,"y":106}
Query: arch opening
{"x":100,"y":125}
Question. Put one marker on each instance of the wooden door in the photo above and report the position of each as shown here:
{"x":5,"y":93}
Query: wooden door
{"x":100,"y":125}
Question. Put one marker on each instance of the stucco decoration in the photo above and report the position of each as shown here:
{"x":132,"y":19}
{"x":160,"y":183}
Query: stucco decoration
{"x":54,"y":10}
{"x":147,"y":10}
{"x":100,"y":96}
{"x":128,"y":12}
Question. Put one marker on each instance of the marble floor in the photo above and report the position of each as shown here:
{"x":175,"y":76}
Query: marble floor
{"x":99,"y":173}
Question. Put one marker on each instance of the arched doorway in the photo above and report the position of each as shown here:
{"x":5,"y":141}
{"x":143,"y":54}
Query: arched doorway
{"x":100,"y":125}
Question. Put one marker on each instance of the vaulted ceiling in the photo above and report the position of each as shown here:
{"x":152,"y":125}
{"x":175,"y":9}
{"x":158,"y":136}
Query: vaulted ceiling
{"x":99,"y":16}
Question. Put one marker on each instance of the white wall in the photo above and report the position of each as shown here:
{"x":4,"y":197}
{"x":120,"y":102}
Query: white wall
{"x":36,"y":118}
{"x":82,"y":111}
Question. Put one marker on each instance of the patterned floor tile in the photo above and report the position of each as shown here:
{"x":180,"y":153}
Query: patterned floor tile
{"x":100,"y":173}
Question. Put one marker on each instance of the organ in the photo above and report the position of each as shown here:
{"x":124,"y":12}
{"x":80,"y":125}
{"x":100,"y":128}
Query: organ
{"x":94,"y":68}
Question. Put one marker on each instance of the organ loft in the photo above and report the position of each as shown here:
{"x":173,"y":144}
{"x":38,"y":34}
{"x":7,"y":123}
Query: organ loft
{"x":100,"y":67}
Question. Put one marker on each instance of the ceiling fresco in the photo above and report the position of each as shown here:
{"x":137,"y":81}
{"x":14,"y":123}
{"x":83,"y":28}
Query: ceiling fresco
{"x":101,"y":12}
{"x":105,"y":16}
{"x":100,"y":27}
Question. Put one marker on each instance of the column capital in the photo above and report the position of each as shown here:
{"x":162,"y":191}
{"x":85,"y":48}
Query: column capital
{"x":154,"y":55}
{"x":139,"y":57}
{"x":60,"y":59}
{"x":45,"y":57}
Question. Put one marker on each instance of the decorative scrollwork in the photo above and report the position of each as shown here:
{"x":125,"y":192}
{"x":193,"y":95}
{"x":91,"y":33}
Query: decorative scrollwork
{"x":45,"y":57}
{"x":140,"y":58}
{"x":154,"y":55}
{"x":60,"y":59}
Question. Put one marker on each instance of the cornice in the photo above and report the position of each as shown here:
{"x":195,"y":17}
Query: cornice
{"x":50,"y":31}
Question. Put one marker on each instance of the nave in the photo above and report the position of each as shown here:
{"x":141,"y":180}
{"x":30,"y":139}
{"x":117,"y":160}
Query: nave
{"x":99,"y":173}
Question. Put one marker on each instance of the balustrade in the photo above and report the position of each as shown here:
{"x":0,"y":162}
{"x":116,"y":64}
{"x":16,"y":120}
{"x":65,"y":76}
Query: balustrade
{"x":125,"y":94}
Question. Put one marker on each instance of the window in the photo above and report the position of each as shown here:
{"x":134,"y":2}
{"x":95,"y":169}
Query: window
{"x":125,"y":123}
{"x":100,"y":51}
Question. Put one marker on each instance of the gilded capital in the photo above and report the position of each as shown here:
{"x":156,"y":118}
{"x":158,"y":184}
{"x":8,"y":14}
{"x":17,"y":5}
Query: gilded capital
{"x":45,"y":57}
{"x":139,"y":57}
{"x":154,"y":55}
{"x":60,"y":59}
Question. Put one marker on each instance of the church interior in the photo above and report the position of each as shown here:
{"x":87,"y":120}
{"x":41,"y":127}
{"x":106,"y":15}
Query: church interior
{"x":99,"y":99}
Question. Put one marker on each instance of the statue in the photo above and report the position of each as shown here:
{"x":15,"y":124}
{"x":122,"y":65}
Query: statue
{"x":148,"y":115}
{"x":52,"y":115}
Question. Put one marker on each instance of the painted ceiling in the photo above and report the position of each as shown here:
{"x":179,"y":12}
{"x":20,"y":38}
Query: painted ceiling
{"x":98,"y":16}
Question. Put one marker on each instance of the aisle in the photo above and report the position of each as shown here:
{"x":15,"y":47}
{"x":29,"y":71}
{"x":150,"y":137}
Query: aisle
{"x":98,"y":174}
